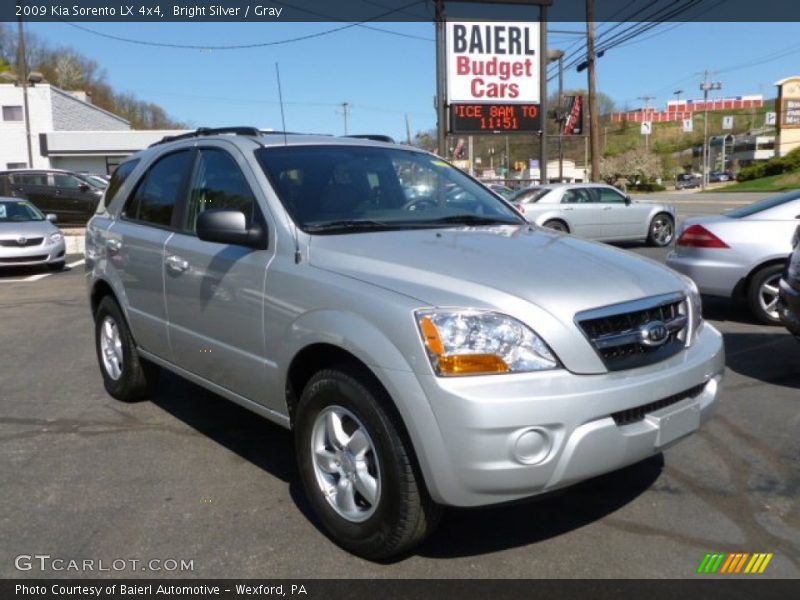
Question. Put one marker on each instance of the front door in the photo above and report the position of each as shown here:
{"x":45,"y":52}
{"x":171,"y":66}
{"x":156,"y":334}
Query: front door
{"x":215,"y":292}
{"x":621,"y":220}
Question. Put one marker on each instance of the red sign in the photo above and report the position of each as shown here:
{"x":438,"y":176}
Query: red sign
{"x":491,"y":118}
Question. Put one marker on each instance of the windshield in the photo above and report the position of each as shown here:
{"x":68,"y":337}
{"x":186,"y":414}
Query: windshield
{"x":335,"y":189}
{"x":762,"y":205}
{"x":97,"y":181}
{"x":18,"y":212}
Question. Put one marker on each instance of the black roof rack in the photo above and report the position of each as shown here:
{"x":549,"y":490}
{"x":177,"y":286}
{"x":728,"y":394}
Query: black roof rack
{"x":201,"y":131}
{"x":375,"y":137}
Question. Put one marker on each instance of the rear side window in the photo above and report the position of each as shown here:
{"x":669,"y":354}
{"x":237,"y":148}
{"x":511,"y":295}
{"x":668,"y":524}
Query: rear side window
{"x":31,"y":179}
{"x":218,"y":183}
{"x":155,"y":197}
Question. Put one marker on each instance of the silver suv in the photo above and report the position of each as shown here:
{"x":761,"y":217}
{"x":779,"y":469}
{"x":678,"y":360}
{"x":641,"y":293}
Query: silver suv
{"x":427,"y":345}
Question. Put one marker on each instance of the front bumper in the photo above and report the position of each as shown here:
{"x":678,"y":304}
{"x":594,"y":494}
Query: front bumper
{"x":506,"y":437}
{"x":713,"y":275}
{"x":32,"y":255}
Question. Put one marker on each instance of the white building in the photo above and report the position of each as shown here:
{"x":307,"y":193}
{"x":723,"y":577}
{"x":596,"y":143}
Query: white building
{"x":67,"y":131}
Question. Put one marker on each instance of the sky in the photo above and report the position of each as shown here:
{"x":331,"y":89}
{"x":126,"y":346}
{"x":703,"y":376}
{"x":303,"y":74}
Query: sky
{"x":385,"y":77}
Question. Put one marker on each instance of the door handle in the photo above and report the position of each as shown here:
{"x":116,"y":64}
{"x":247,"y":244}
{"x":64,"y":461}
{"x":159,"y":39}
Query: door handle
{"x":606,"y":208}
{"x":113,"y":245}
{"x":177,"y":264}
{"x":568,"y":208}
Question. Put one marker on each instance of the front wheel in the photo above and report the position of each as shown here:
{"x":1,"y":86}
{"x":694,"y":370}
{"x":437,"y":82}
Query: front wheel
{"x":357,"y":470}
{"x":662,"y":230}
{"x":557,"y":225}
{"x":762,"y":294}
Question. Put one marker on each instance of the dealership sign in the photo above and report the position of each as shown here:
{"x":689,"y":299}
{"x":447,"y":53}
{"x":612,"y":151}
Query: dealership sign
{"x":491,"y":62}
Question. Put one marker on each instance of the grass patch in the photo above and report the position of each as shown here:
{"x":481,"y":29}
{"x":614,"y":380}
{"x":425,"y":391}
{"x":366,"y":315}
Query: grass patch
{"x":774,"y":183}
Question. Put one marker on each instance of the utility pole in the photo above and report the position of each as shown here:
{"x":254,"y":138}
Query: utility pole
{"x":441,"y":86}
{"x":677,"y":95}
{"x":22,"y":77}
{"x":594,"y":118}
{"x":408,"y":129}
{"x":543,"y":62}
{"x":706,"y":86}
{"x":646,"y":110}
{"x":345,"y":114}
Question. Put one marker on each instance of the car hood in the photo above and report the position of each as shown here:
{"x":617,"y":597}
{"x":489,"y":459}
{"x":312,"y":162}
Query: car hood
{"x":26,"y":228}
{"x":507,"y":268}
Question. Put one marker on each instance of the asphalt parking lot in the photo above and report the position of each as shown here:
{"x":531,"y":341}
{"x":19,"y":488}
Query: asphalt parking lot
{"x":189,"y":476}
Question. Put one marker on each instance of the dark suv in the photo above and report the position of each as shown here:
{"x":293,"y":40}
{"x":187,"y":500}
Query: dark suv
{"x":789,"y":295}
{"x":70,"y":196}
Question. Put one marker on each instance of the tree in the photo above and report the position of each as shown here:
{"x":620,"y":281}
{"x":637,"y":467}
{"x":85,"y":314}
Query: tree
{"x":69,"y":74}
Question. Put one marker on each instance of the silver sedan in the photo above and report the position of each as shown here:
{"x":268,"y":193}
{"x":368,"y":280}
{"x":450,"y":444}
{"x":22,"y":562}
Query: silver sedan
{"x":27,"y":237}
{"x":741,"y":255}
{"x":598,"y":212}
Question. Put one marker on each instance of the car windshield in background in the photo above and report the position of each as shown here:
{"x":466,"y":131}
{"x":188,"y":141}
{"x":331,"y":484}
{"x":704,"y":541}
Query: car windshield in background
{"x":18,"y":212}
{"x":528,"y":195}
{"x":766,"y":204}
{"x":344,"y":189}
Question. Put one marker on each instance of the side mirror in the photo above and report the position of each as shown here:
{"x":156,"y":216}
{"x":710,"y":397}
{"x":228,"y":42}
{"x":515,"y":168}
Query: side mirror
{"x":84,"y":187}
{"x":229,"y":227}
{"x":628,"y":199}
{"x":51,"y":217}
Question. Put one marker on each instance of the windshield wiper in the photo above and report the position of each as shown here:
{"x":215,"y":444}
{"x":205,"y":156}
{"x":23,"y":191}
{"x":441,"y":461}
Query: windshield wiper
{"x":468,"y":219}
{"x":349,"y":225}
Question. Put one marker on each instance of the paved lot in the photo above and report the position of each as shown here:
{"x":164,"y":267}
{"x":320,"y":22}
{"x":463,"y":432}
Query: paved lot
{"x":191,"y":476}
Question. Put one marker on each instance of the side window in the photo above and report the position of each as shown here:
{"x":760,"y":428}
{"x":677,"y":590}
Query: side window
{"x":218,"y":183}
{"x":609,"y":196}
{"x":31,"y":179}
{"x":577,"y":196}
{"x":155,"y":197}
{"x":66,"y":181}
{"x":118,"y":178}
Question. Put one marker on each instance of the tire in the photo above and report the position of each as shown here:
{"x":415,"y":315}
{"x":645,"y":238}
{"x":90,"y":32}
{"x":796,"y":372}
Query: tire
{"x":126,"y":375}
{"x":661,"y":231}
{"x":557,"y":225}
{"x":762,"y":294}
{"x":56,"y":266}
{"x":341,"y":409}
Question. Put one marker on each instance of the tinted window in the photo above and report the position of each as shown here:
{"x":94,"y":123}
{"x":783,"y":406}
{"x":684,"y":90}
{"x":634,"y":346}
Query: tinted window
{"x":30,"y":179}
{"x":218,"y":183}
{"x":12,"y":113}
{"x":608,"y":195}
{"x":156,"y":195}
{"x":66,"y":181}
{"x":391,"y":188}
{"x":118,"y":178}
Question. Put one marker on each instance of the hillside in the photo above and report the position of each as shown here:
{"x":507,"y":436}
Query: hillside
{"x":70,"y":70}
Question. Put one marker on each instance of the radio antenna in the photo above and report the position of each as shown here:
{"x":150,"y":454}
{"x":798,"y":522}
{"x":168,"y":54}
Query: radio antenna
{"x":280,"y":99}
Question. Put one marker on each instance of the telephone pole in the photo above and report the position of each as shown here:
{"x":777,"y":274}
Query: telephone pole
{"x":594,"y":118}
{"x":706,"y":86}
{"x":646,"y":110}
{"x":22,"y":77}
{"x":345,"y":114}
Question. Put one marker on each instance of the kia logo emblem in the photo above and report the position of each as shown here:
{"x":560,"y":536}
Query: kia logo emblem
{"x":654,"y":333}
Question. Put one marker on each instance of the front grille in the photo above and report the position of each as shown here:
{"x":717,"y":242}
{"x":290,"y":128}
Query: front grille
{"x":15,"y":244}
{"x":22,"y":259}
{"x":632,"y":415}
{"x":624,"y":335}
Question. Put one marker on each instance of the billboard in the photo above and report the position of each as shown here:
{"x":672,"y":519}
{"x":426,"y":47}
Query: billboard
{"x":490,"y":62}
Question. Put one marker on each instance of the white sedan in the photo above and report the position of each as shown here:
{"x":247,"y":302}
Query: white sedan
{"x":596,"y":211}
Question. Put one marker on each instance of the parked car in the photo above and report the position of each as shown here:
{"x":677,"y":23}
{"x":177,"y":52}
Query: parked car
{"x":789,"y":295}
{"x":426,"y":352}
{"x":502,"y":190}
{"x":718,"y":176}
{"x":740,"y":255}
{"x":596,"y":211}
{"x":69,"y":196}
{"x":97,"y":180}
{"x":688,"y":180}
{"x":27,"y":237}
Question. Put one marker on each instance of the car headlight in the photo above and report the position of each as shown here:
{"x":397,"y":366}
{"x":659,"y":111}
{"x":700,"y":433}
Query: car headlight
{"x":696,"y":311}
{"x":474,"y":342}
{"x":55,"y":237}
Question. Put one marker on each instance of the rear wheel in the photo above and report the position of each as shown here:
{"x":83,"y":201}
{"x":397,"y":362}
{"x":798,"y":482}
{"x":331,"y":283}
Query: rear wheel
{"x":126,"y":375}
{"x":556,"y":224}
{"x":762,"y":295}
{"x":662,"y":230}
{"x":356,"y":468}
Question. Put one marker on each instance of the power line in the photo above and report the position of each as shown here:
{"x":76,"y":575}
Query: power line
{"x":239,"y":46}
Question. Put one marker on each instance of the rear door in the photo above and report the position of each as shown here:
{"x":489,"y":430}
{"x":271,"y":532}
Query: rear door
{"x":215,"y":292}
{"x":34,"y":187}
{"x":582,"y":212}
{"x":135,"y":246}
